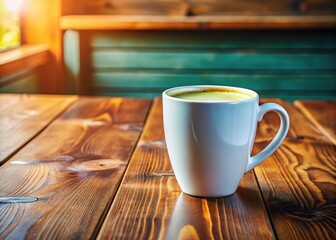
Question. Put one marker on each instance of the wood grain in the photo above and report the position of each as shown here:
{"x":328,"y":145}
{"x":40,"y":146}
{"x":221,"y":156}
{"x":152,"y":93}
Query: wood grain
{"x":304,"y":131}
{"x":150,"y":205}
{"x":200,"y":7}
{"x":298,"y":180}
{"x":22,"y":117}
{"x":268,"y":7}
{"x":322,"y":115}
{"x":243,"y":7}
{"x":133,"y":7}
{"x":74,"y":168}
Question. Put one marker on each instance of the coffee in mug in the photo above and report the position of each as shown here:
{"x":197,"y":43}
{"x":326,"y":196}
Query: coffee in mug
{"x":209,"y":94}
{"x":210,"y":132}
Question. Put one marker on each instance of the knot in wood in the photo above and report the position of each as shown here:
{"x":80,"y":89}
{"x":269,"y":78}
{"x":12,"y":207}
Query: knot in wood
{"x":97,"y":165}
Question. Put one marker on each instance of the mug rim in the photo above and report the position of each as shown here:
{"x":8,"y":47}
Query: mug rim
{"x":200,"y":87}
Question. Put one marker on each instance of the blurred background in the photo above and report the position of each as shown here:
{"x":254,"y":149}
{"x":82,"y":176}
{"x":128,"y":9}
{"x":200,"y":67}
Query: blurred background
{"x":138,"y":48}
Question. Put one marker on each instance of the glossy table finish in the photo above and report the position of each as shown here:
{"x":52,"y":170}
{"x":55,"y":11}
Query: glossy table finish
{"x":97,"y":167}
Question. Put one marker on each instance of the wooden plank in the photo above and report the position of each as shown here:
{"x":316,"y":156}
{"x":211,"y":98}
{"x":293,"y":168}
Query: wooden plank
{"x":199,"y":7}
{"x":255,"y":81}
{"x":243,"y":7}
{"x":125,"y":93}
{"x":24,"y":57}
{"x":321,"y":6}
{"x":85,"y":67}
{"x":291,"y":96}
{"x":150,"y":205}
{"x":322,"y":115}
{"x":22,"y":117}
{"x":269,"y":125}
{"x":133,"y":7}
{"x":110,"y":22}
{"x":7,"y":101}
{"x":78,"y":70}
{"x":241,"y":60}
{"x":298,"y":180}
{"x":315,"y":40}
{"x":299,"y":189}
{"x":269,"y":7}
{"x":73,"y":168}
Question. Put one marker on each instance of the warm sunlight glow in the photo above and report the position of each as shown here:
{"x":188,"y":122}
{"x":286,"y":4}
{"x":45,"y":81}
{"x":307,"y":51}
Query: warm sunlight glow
{"x":13,"y":5}
{"x":9,"y":24}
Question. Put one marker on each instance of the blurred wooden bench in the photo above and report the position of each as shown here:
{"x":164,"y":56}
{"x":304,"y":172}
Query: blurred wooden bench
{"x":281,"y":49}
{"x":199,"y":7}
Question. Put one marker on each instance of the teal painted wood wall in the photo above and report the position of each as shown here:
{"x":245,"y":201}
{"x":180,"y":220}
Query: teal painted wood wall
{"x":286,"y":64}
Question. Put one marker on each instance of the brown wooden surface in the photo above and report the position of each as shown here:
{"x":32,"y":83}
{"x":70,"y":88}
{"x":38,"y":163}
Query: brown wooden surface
{"x":323,"y":117}
{"x":242,"y":7}
{"x":150,"y":205}
{"x":74,"y":168}
{"x":132,"y":7}
{"x":266,"y":7}
{"x":300,"y":128}
{"x":110,"y":22}
{"x":23,"y":116}
{"x":8,"y":100}
{"x":200,"y":7}
{"x":24,"y":57}
{"x":197,"y":14}
{"x":298,"y":180}
{"x":77,"y":168}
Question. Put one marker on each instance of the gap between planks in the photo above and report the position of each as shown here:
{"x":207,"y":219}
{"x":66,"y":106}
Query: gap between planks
{"x":109,"y":204}
{"x":72,"y":101}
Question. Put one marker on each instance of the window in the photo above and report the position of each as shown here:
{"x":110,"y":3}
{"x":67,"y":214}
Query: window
{"x":9,"y":24}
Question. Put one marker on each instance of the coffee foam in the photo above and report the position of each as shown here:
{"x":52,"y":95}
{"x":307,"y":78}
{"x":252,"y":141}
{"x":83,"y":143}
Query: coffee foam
{"x":214,"y":90}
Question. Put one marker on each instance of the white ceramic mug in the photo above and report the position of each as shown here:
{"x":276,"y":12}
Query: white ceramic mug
{"x":210,"y":142}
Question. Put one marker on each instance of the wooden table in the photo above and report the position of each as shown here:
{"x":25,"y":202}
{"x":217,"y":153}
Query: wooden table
{"x":86,"y":168}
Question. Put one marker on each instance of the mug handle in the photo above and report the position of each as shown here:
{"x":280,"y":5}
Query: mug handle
{"x":279,"y":137}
